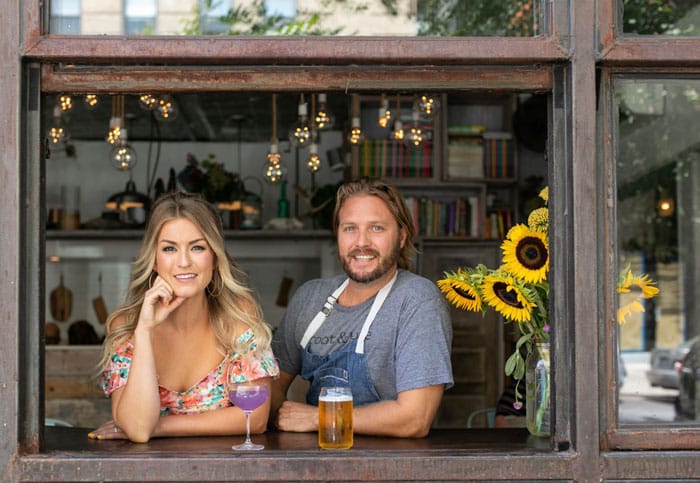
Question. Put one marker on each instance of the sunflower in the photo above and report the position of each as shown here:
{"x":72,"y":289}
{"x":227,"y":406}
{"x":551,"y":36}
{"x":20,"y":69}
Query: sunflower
{"x":526,"y":254}
{"x":639,"y":282}
{"x":627,"y":310}
{"x":460,"y":291}
{"x":642,"y":285}
{"x":544,"y":194}
{"x":539,"y":220}
{"x":501,"y":292}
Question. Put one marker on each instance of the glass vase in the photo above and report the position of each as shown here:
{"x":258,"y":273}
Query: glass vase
{"x":537,"y":391}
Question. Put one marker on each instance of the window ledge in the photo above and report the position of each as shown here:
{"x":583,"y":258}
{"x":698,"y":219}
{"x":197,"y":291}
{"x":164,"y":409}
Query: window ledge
{"x":447,"y":454}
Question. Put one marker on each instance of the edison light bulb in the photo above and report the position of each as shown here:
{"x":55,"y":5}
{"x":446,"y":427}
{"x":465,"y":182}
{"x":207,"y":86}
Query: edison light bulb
{"x":355,"y":131}
{"x":115,"y":125}
{"x":323,"y":118}
{"x":123,"y":156}
{"x":90,"y":101}
{"x":314,"y":162}
{"x":384,"y":115}
{"x":415,"y":136}
{"x":66,"y":102}
{"x":300,"y":132}
{"x":398,"y":133}
{"x":147,"y":101}
{"x":427,"y":105}
{"x":273,"y":172}
{"x":56,"y":134}
{"x":165,"y":108}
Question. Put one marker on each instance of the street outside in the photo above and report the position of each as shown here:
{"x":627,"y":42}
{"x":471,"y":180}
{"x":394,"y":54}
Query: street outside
{"x":640,"y":402}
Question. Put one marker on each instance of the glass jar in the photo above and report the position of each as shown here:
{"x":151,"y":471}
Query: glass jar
{"x":537,"y":390}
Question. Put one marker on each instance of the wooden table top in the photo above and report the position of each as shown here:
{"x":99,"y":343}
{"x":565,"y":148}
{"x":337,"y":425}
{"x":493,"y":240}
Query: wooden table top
{"x":517,"y":440}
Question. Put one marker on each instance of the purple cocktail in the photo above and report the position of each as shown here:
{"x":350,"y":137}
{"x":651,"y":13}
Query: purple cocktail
{"x":248,"y":397}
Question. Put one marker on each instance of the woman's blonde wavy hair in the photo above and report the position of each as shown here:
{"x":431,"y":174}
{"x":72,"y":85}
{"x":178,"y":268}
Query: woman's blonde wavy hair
{"x":231,"y":302}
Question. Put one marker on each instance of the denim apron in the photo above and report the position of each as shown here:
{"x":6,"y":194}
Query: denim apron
{"x":346,"y":366}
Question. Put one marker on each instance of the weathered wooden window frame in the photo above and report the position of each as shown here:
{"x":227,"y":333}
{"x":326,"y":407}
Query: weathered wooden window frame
{"x":586,"y":431}
{"x":632,"y":57}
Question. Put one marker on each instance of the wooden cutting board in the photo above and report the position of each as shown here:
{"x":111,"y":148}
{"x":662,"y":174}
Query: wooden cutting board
{"x":98,"y":303}
{"x":61,"y":302}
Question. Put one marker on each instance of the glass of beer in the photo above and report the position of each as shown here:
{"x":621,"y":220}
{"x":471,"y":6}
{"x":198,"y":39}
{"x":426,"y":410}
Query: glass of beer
{"x":335,"y":418}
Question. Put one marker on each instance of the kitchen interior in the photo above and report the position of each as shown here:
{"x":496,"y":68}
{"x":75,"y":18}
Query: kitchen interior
{"x":108,"y":156}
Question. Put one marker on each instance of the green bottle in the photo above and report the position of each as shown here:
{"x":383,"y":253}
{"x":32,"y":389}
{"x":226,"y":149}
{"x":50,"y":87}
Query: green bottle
{"x":282,"y":203}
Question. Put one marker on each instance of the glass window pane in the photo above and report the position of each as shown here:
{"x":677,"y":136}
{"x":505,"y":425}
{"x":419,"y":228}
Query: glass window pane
{"x":140,"y":8}
{"x":282,"y":8}
{"x":70,"y":8}
{"x":658,"y":234}
{"x":65,"y":17}
{"x":661,"y":17}
{"x":444,"y":18}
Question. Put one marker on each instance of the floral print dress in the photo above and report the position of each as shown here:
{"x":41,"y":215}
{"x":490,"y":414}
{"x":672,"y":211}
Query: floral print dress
{"x":207,"y":394}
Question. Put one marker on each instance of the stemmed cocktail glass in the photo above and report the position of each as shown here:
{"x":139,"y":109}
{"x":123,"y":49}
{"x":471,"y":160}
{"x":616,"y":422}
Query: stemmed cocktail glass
{"x":248,"y":396}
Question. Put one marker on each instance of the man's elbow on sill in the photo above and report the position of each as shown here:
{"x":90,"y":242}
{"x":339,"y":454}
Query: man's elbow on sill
{"x":413,"y":429}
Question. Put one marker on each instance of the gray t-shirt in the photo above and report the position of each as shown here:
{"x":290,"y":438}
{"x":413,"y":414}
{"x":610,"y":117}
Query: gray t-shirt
{"x":407,"y":347}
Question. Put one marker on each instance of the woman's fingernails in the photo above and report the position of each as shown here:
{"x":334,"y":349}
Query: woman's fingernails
{"x":91,"y":435}
{"x":99,"y":436}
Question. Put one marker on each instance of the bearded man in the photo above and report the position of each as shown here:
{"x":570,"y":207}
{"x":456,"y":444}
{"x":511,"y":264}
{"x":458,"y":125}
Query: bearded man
{"x":379,"y":328}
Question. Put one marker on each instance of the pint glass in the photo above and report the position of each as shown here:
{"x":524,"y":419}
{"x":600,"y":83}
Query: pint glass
{"x":335,"y":418}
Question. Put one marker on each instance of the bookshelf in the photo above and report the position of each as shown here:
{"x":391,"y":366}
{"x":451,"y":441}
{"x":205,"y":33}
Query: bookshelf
{"x":462,"y":182}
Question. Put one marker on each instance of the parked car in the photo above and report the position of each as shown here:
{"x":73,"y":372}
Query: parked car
{"x":665,"y":364}
{"x":689,"y":381}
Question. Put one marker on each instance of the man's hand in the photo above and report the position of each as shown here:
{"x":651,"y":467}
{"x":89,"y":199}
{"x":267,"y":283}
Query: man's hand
{"x":297,"y":417}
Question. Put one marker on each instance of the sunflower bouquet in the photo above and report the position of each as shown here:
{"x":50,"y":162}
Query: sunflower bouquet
{"x":519,"y":289}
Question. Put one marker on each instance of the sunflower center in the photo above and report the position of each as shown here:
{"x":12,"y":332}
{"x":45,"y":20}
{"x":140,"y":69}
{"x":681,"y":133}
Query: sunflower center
{"x":506,"y":295}
{"x":532,"y":253}
{"x":463,"y":293}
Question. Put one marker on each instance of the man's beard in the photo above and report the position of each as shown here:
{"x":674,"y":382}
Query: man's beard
{"x":385,"y":264}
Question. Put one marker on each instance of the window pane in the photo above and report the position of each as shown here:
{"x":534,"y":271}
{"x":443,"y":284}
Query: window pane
{"x":658,"y":234}
{"x":661,"y":17}
{"x":65,"y":7}
{"x":140,"y":17}
{"x":140,"y":8}
{"x":65,"y":17}
{"x":445,"y":18}
{"x":282,"y":8}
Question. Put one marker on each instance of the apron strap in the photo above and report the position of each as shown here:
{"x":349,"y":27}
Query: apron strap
{"x":378,"y":302}
{"x":322,"y":314}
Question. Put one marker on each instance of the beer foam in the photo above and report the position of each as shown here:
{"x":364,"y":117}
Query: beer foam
{"x":335,"y":398}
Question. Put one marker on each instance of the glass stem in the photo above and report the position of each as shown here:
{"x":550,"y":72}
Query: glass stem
{"x":247,"y":427}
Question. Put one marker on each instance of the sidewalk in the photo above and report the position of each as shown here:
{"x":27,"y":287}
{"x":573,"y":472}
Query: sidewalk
{"x":636,"y":383}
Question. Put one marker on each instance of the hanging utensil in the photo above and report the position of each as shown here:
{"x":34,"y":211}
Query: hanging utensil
{"x":98,"y":303}
{"x":61,"y":302}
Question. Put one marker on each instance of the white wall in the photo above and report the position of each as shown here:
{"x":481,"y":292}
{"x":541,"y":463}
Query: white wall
{"x":266,"y":262}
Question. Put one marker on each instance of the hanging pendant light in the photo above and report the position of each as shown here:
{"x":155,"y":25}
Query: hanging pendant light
{"x":116,"y":121}
{"x":313,"y":162}
{"x":323,"y":118}
{"x":427,"y":105}
{"x":415,"y":136}
{"x":398,"y":132}
{"x":273,"y":171}
{"x":57,"y":133}
{"x":300,"y":132}
{"x":384,"y":114}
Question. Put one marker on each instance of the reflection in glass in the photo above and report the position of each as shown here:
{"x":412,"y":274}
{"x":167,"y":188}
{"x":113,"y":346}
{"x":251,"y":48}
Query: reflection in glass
{"x":445,"y":18}
{"x":65,"y":17}
{"x":140,"y":17}
{"x":661,"y":17}
{"x":658,"y":232}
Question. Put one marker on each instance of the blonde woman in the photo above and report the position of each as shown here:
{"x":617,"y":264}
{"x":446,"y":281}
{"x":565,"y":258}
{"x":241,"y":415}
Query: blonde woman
{"x":188,"y":320}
